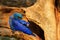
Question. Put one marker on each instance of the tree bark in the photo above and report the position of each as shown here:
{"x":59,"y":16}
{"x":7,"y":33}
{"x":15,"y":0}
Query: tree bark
{"x":42,"y":13}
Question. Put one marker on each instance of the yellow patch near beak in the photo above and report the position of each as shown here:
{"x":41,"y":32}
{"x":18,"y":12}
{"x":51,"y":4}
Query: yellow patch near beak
{"x":25,"y":18}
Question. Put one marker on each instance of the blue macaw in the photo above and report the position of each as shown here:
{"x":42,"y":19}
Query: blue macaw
{"x":17,"y":24}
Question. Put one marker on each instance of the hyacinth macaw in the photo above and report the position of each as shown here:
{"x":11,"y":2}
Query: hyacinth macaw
{"x":17,"y":24}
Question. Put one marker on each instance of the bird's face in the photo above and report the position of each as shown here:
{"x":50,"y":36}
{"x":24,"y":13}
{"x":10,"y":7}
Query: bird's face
{"x":18,"y":16}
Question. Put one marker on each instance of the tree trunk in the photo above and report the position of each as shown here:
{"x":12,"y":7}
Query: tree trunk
{"x":42,"y":13}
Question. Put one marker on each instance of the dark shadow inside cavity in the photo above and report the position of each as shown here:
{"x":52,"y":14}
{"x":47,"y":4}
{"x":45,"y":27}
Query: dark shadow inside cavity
{"x":57,"y":4}
{"x":36,"y":29}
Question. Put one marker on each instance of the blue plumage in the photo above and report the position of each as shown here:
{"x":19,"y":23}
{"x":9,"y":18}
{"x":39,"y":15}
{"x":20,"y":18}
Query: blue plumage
{"x":17,"y":24}
{"x":17,"y":15}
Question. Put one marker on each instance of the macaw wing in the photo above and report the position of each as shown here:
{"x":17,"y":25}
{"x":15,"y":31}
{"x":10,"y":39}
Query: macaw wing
{"x":19,"y":27}
{"x":24,"y":22}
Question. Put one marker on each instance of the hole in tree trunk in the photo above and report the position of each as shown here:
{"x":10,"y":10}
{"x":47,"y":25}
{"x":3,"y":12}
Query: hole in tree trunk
{"x":37,"y":30}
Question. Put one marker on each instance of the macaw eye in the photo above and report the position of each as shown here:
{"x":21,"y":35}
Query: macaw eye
{"x":19,"y":17}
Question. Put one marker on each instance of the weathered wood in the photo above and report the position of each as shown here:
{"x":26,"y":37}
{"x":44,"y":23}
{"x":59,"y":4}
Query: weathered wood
{"x":58,"y":24}
{"x":18,"y":35}
{"x":18,"y":3}
{"x":5,"y":28}
{"x":42,"y":13}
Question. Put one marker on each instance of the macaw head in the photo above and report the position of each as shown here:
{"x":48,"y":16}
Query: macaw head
{"x":17,"y":15}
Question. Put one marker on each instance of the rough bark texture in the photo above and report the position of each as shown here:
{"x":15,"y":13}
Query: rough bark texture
{"x":16,"y":35}
{"x":5,"y":28}
{"x":42,"y":13}
{"x":58,"y":18}
{"x":58,"y":24}
{"x":17,"y":3}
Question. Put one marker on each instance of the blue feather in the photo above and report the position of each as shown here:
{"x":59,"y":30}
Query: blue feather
{"x":16,"y":15}
{"x":19,"y":25}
